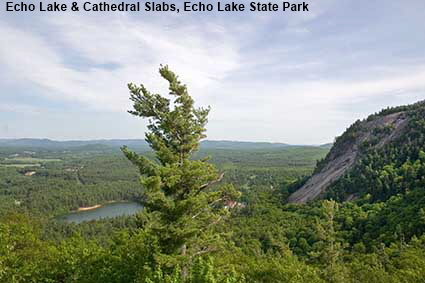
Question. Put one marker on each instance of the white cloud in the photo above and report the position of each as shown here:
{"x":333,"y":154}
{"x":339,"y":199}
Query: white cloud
{"x":277,"y":77}
{"x":135,"y":48}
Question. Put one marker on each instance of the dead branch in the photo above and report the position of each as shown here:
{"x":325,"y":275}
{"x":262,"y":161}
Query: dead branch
{"x":212,"y":182}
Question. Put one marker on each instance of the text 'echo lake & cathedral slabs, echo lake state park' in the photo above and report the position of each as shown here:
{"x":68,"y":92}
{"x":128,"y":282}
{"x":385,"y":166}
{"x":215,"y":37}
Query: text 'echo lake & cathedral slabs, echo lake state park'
{"x":157,"y":6}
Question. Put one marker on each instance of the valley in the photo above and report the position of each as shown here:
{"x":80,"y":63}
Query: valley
{"x":350,"y":212}
{"x":64,"y":178}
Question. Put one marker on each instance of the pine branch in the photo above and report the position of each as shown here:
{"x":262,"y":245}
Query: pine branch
{"x":203,"y":251}
{"x":212,"y":182}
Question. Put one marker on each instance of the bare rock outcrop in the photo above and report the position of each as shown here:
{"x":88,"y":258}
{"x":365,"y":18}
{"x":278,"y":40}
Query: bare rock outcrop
{"x":345,"y":152}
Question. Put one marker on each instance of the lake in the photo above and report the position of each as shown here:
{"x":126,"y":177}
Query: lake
{"x":107,"y":211}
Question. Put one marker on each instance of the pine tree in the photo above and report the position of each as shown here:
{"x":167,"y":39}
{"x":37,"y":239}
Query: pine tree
{"x":331,"y":249}
{"x":181,"y":207}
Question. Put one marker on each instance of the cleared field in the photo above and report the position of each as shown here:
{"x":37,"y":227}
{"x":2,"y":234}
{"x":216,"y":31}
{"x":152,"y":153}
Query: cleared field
{"x":22,"y":162}
{"x":21,"y":165}
{"x":30,"y":160}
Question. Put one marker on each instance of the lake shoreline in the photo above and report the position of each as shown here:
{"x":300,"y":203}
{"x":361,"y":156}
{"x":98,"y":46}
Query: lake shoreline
{"x":101,"y":211}
{"x":96,"y":206}
{"x":86,"y":208}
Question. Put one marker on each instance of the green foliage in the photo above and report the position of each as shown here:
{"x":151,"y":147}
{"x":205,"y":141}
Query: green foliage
{"x":179,"y":207}
{"x":59,"y":187}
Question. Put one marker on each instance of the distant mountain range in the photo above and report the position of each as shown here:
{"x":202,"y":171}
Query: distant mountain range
{"x":137,"y":144}
{"x":53,"y":144}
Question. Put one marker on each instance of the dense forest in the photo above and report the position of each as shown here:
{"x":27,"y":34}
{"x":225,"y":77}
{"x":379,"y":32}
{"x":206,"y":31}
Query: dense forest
{"x":201,"y":226}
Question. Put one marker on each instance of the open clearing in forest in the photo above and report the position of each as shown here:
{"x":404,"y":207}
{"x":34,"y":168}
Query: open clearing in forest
{"x":30,"y":160}
{"x":21,"y":165}
{"x":21,"y":162}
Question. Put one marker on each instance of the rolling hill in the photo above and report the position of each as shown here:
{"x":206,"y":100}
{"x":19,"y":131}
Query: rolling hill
{"x":138,"y":144}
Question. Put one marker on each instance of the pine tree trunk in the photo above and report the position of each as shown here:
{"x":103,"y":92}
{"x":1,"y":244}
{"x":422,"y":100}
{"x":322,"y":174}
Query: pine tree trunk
{"x":184,"y":266}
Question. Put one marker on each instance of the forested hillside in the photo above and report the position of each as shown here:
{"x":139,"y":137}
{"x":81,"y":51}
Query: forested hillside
{"x":376,"y":158}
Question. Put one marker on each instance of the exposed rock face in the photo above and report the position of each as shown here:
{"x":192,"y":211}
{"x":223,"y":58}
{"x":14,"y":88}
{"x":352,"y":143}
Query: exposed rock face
{"x":347,"y":150}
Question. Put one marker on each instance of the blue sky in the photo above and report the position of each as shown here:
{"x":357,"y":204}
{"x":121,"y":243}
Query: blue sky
{"x":299,"y":78}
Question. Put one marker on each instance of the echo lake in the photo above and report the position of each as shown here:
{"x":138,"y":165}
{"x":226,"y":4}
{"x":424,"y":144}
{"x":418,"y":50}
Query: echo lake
{"x":106,"y":211}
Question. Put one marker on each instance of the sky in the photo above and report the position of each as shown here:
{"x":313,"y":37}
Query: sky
{"x":293,"y":77}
